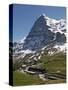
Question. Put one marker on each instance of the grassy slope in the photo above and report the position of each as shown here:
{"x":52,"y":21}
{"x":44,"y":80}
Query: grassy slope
{"x":51,"y":63}
{"x":54,"y":63}
{"x":25,"y":79}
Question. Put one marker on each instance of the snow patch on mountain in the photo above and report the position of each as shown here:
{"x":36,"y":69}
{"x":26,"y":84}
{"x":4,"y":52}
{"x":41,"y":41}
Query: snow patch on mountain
{"x":44,"y":48}
{"x":31,"y":57}
{"x":56,"y":25}
{"x":35,"y":58}
{"x":42,"y":52}
{"x":22,"y":40}
{"x":61,"y":47}
{"x":50,"y":52}
{"x":39,"y":57}
{"x":26,"y":51}
{"x":21,"y":56}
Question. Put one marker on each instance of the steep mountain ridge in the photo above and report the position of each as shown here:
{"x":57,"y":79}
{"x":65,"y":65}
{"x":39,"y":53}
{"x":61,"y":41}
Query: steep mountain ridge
{"x":44,"y":31}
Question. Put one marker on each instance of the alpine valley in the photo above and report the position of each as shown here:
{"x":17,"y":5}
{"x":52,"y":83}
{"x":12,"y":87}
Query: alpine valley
{"x":40,"y":58}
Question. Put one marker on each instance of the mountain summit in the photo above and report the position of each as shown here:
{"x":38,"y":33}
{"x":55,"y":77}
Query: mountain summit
{"x":44,"y":32}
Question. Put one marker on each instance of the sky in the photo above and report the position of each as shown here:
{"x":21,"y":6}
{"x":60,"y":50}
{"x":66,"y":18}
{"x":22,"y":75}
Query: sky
{"x":24,"y":17}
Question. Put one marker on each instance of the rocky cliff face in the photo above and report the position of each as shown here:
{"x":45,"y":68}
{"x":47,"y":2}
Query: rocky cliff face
{"x":44,"y":32}
{"x":39,"y":35}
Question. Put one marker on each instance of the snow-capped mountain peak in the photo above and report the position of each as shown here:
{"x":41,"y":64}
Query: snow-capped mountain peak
{"x":44,"y":32}
{"x":56,"y":25}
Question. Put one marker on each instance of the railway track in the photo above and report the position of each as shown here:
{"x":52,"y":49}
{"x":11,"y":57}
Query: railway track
{"x":55,"y":76}
{"x":42,"y":73}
